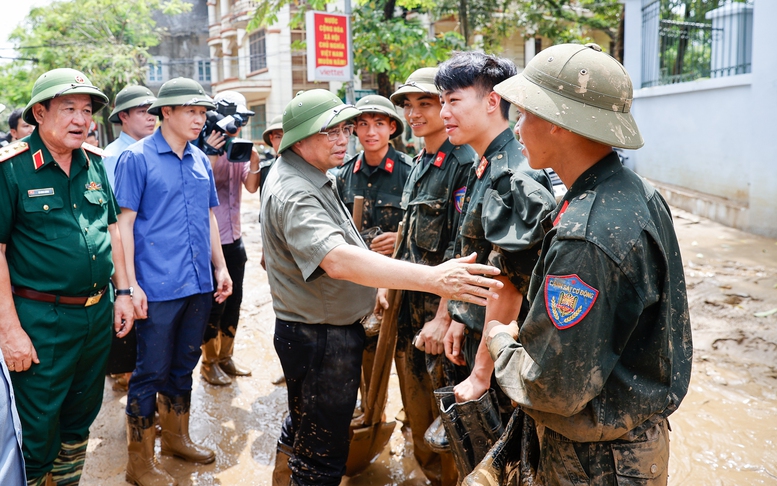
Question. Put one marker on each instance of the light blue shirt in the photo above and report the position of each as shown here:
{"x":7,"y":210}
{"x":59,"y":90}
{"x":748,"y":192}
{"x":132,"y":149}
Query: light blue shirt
{"x":11,"y":458}
{"x":112,"y":152}
{"x":172,"y":198}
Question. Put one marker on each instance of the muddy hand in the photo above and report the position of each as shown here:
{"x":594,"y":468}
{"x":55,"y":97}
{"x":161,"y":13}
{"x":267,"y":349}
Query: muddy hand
{"x":464,"y":280}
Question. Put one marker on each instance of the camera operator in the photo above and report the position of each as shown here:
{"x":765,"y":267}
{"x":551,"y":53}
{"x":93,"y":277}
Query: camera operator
{"x":218,"y":341}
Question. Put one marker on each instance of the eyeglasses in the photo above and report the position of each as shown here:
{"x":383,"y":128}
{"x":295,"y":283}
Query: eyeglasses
{"x":334,"y":134}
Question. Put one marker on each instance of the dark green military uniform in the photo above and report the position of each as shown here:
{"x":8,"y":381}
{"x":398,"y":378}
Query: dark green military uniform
{"x":56,"y":231}
{"x":505,"y":204}
{"x":380,"y":186}
{"x":433,"y":201}
{"x":605,"y":351}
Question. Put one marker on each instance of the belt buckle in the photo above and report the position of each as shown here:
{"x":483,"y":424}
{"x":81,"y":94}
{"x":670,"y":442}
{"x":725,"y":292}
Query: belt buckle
{"x":93,"y":299}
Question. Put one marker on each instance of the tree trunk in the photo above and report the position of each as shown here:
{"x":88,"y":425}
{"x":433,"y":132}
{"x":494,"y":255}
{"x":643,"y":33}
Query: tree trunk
{"x":464,"y":21}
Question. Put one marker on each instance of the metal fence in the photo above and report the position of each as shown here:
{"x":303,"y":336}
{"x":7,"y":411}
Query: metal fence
{"x":676,"y":51}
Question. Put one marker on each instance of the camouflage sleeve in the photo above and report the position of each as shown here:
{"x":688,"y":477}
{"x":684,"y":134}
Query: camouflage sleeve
{"x":512,"y":222}
{"x":579,"y":322}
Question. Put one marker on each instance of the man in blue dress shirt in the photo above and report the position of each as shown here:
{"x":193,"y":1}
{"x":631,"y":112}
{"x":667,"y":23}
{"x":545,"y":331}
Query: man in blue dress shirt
{"x":130,"y":110}
{"x":165,"y":188}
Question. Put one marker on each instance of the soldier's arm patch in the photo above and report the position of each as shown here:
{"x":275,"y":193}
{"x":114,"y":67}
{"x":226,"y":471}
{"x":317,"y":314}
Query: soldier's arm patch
{"x":458,"y":198}
{"x":568,"y":299}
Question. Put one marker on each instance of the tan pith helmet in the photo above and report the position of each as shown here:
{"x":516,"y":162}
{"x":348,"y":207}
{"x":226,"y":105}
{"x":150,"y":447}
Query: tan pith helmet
{"x":579,"y":88}
{"x":62,"y":82}
{"x":275,"y":124}
{"x":310,"y":112}
{"x":129,"y":97}
{"x":382,"y":105}
{"x":421,"y":81}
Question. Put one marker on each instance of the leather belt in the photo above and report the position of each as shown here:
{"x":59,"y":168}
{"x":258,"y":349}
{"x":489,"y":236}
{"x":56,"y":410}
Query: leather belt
{"x":26,"y":293}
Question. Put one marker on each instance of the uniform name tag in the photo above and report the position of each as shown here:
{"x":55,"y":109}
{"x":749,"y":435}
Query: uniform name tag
{"x":48,"y":191}
{"x":568,"y":299}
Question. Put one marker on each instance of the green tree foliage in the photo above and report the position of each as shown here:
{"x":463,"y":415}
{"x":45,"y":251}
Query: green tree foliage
{"x":387,"y":46}
{"x":108,"y":40}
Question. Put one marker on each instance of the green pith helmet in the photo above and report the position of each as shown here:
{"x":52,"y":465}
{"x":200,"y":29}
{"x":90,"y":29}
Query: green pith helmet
{"x":181,"y":92}
{"x":275,"y":124}
{"x":131,"y":96}
{"x":421,"y":81}
{"x":382,"y":105}
{"x":62,"y":82}
{"x":310,"y":112}
{"x":579,"y":88}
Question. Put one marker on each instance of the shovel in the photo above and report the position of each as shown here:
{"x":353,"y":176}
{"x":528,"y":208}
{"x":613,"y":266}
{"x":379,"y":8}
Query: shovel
{"x":370,"y":432}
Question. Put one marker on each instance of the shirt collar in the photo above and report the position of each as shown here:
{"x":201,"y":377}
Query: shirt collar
{"x":37,"y":145}
{"x":498,"y":144}
{"x":126,"y":138}
{"x":163,"y":147}
{"x":315,"y":176}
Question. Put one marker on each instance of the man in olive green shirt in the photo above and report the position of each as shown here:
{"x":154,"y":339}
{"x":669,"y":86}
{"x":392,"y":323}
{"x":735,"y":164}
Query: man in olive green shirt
{"x":59,"y":249}
{"x":323,"y":279}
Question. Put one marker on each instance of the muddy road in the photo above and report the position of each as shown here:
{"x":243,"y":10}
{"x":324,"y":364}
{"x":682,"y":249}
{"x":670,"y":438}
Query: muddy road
{"x":725,"y":432}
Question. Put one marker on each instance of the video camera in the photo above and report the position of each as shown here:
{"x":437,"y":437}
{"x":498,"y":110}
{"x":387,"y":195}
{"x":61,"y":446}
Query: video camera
{"x":225,"y":119}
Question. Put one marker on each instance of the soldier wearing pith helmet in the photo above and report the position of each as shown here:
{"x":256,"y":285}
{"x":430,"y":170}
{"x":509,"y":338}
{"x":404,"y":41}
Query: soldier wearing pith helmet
{"x":166,"y":190}
{"x":60,"y":248}
{"x":604,"y":355}
{"x":323,"y":278}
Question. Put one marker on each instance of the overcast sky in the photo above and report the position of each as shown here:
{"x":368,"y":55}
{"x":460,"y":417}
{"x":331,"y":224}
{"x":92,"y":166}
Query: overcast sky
{"x":13,"y":14}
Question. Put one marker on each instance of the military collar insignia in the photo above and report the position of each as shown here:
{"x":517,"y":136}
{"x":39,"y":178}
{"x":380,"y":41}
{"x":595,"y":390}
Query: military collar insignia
{"x":558,"y":216}
{"x":93,"y":186}
{"x":37,"y":159}
{"x":481,"y":167}
{"x":568,"y":299}
{"x":439,"y":159}
{"x":389,"y":165}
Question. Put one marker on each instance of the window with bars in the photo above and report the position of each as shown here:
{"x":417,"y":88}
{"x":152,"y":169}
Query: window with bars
{"x":155,"y":72}
{"x":258,"y":50}
{"x":299,"y":65}
{"x":203,"y":71}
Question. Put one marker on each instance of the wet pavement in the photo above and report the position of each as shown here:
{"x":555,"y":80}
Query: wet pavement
{"x":725,"y":432}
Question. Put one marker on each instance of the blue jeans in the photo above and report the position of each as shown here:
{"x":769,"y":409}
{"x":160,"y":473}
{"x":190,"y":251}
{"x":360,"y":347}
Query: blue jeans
{"x":168,"y":350}
{"x":322,"y":365}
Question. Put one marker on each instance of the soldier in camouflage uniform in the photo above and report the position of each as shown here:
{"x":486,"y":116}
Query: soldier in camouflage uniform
{"x":378,"y":173}
{"x":505,"y":202}
{"x":432,"y":201}
{"x":605,"y":352}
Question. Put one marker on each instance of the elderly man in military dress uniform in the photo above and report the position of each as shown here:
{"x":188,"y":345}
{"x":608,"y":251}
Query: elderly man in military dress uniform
{"x":60,"y":247}
{"x":604,"y":355}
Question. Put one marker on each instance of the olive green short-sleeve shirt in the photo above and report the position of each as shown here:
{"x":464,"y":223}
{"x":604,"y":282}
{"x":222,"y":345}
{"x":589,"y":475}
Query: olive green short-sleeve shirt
{"x":56,"y":227}
{"x":302,"y":221}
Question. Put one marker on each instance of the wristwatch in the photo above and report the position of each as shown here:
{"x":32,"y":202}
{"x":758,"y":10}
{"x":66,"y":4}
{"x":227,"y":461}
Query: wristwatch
{"x":119,"y":292}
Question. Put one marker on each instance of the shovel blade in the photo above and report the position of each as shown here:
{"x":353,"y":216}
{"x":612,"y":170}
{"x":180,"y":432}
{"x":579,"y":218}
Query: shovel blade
{"x":366,"y":445}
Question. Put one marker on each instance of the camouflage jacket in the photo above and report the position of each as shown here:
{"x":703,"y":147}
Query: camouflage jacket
{"x":505,"y":204}
{"x":381,"y":189}
{"x":433,"y":200}
{"x":606,"y":347}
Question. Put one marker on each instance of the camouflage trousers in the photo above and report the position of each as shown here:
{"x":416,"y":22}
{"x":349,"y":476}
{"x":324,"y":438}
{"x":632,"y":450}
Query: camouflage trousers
{"x":632,"y":461}
{"x":67,"y":466}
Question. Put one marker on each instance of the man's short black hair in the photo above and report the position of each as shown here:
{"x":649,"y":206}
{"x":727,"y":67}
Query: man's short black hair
{"x":478,"y":70}
{"x":13,"y":120}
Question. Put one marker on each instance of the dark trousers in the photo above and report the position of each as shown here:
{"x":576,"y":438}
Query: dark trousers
{"x":322,"y":365}
{"x":59,"y":398}
{"x":224,"y":316}
{"x":168,"y":350}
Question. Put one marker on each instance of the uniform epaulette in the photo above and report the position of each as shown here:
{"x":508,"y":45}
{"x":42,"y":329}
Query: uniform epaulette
{"x":13,"y":150}
{"x":92,"y":149}
{"x":464,"y":154}
{"x":574,"y":222}
{"x":408,"y":160}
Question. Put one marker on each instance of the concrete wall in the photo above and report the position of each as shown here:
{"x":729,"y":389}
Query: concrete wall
{"x":710,"y":145}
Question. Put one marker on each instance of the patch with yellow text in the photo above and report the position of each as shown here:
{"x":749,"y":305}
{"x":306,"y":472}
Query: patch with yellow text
{"x":568,"y":299}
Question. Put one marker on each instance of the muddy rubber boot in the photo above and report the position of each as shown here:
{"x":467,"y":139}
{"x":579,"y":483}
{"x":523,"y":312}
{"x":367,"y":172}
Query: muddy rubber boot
{"x":69,"y":463}
{"x":225,"y":357}
{"x":174,"y":419}
{"x":281,"y":474}
{"x":142,"y":467}
{"x":436,"y":438}
{"x":210,"y":369}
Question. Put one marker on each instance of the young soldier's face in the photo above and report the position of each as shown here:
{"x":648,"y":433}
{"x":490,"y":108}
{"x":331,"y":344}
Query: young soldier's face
{"x":464,"y":113}
{"x":535,"y":136}
{"x":422,"y":113}
{"x":374,"y":131}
